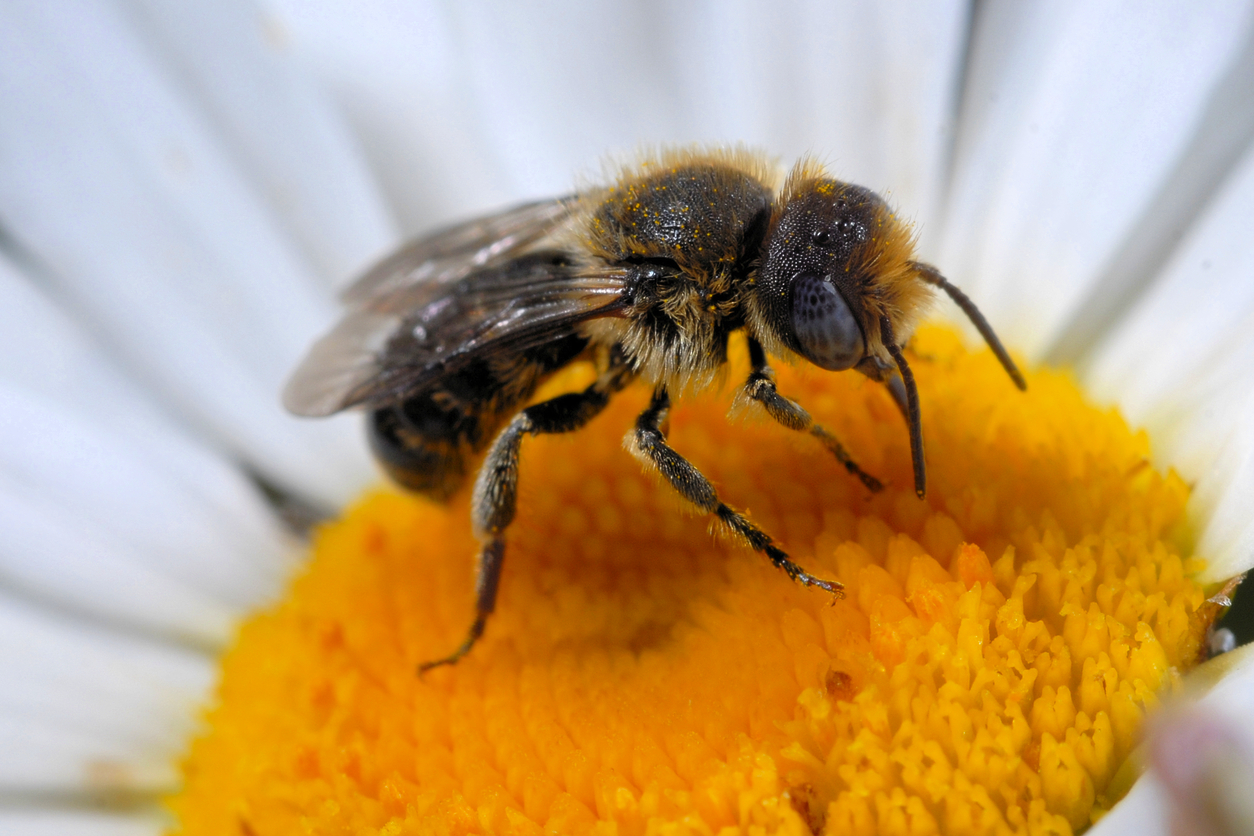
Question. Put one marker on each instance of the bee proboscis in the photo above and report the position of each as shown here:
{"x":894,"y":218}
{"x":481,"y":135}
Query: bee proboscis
{"x":446,"y":341}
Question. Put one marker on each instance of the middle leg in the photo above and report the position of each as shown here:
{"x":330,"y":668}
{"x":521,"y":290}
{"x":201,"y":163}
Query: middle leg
{"x":648,"y":443}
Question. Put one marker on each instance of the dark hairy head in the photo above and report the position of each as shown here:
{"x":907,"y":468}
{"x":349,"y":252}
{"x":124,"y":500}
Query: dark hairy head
{"x":817,"y":269}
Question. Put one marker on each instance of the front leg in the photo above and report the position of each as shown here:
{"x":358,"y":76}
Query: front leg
{"x":760,"y":387}
{"x":648,"y":443}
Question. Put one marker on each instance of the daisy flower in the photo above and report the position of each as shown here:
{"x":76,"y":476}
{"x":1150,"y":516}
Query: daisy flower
{"x":182,"y":188}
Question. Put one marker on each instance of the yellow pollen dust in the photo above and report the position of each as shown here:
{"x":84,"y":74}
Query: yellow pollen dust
{"x":987,"y":671}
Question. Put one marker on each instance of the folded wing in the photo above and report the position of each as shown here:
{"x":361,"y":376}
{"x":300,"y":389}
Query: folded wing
{"x":497,"y":285}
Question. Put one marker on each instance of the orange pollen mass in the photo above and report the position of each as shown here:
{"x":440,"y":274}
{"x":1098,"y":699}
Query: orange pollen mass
{"x":987,"y":671}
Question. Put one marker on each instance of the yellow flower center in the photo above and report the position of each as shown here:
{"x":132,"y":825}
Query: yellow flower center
{"x":987,"y":671}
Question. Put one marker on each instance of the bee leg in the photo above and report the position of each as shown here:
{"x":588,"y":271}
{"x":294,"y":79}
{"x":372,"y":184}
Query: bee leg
{"x":648,"y":443}
{"x":489,"y":576}
{"x":760,"y":387}
{"x":496,"y":487}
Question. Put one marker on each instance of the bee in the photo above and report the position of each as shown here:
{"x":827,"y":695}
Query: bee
{"x":445,"y":342}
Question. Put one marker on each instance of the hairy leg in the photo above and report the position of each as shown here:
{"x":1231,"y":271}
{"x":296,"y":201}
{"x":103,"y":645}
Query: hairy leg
{"x":648,"y":443}
{"x":496,"y":488}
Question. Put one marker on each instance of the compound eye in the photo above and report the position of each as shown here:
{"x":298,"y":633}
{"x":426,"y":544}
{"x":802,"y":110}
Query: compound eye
{"x":826,"y":329}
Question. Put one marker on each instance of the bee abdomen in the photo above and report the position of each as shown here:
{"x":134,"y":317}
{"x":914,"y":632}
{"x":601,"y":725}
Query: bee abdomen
{"x":430,"y":441}
{"x":423,"y":446}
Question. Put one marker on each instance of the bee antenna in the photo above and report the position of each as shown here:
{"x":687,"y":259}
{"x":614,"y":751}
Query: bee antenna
{"x":912,"y":406}
{"x":932,"y":276}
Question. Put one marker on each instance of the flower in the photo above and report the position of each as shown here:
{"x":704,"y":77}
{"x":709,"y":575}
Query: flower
{"x":636,"y":675}
{"x":1093,"y":201}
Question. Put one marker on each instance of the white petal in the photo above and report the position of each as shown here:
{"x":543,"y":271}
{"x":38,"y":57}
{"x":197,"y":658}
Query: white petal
{"x":392,"y":68}
{"x":273,"y":118}
{"x":1225,"y":685}
{"x":1182,"y":365}
{"x":1224,"y":131}
{"x":1075,"y":113}
{"x":89,"y":711}
{"x":550,"y":90}
{"x":51,"y":554}
{"x":68,"y":823}
{"x":129,"y":199}
{"x":867,"y":86}
{"x":82,"y":435}
{"x":1142,"y":811}
{"x":78,"y":483}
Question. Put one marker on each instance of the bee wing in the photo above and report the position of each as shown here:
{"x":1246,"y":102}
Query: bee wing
{"x":453,"y":253}
{"x":366,"y":358}
{"x":412,"y":335}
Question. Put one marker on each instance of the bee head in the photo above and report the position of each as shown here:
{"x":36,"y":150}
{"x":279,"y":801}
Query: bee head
{"x":834,"y":264}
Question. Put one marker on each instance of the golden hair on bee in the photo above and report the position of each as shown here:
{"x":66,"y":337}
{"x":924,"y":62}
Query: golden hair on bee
{"x":650,"y":161}
{"x":697,"y":215}
{"x":447,"y":341}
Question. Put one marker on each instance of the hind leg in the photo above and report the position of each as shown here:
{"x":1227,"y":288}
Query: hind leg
{"x":496,"y":488}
